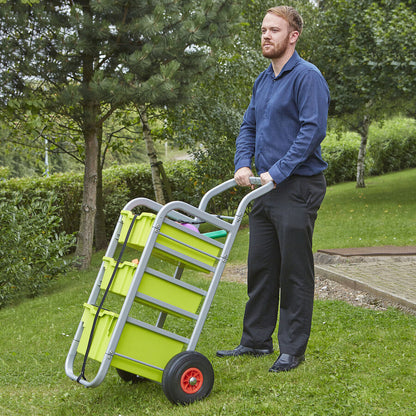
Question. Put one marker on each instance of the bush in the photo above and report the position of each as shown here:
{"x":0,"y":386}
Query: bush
{"x":120,"y":185}
{"x":210,"y":174}
{"x":392,"y":146}
{"x":340,"y":152}
{"x":124,"y":183}
{"x":4,"y":173}
{"x":66,"y":188}
{"x":31,"y":251}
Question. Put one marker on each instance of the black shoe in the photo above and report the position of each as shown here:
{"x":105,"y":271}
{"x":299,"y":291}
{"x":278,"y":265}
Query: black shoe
{"x":286,"y":362}
{"x":242,"y":350}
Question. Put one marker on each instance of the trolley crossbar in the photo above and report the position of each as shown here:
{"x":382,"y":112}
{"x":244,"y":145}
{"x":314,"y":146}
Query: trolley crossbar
{"x":176,"y":281}
{"x":186,"y":258}
{"x":158,"y":330}
{"x":163,"y":305}
{"x":138,"y":361}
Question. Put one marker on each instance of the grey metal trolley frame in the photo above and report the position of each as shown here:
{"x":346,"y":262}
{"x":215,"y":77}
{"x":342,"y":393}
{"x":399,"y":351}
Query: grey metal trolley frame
{"x":187,"y":375}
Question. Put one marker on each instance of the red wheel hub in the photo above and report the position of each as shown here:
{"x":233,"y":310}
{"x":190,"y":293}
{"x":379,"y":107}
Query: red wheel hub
{"x":192,"y":380}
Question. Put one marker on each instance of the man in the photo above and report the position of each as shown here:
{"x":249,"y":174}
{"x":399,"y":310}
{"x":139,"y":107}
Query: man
{"x":282,"y":128}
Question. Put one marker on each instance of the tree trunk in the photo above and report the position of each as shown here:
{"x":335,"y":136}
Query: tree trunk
{"x":88,"y":208}
{"x":363,"y":130}
{"x":165,"y":180}
{"x":151,"y":152}
{"x":99,"y":227}
{"x":91,"y":129}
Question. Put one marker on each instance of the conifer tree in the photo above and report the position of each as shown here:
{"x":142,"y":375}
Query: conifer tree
{"x":84,"y":59}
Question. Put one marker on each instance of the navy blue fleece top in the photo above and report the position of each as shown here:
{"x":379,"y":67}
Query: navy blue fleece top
{"x":285,"y":122}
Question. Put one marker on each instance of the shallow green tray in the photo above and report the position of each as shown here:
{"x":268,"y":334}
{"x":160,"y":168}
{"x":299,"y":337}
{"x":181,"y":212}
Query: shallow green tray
{"x":150,"y":285}
{"x":141,"y":230}
{"x":138,"y":343}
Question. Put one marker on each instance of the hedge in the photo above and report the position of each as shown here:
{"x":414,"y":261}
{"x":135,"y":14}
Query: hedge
{"x":31,"y":249}
{"x":340,"y":152}
{"x":392,"y":146}
{"x":120,"y":185}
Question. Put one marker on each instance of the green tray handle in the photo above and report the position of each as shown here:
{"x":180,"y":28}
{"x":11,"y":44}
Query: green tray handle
{"x":216,"y":234}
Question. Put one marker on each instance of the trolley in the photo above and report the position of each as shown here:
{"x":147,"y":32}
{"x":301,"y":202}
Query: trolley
{"x":148,"y":346}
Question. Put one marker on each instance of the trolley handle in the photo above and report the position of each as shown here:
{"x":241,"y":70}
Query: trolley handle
{"x":255,"y":193}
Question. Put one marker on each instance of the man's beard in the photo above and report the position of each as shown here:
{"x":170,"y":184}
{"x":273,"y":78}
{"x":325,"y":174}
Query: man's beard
{"x":278,"y":51}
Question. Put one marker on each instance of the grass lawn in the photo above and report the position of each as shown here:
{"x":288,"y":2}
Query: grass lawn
{"x":383,"y":213}
{"x":359,"y":361}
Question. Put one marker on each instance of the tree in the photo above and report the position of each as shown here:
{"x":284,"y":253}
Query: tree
{"x":357,"y":58}
{"x":87,"y":58}
{"x":394,"y":26}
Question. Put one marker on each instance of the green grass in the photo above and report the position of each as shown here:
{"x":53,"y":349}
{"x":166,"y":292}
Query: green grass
{"x":383,"y":213}
{"x":359,"y":361}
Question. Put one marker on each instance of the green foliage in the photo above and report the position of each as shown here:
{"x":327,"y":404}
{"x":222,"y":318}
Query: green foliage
{"x":31,"y":249}
{"x":393,"y":146}
{"x":20,"y":160}
{"x":4,"y":173}
{"x":346,"y":51}
{"x":107,"y":52}
{"x":340,"y":152}
{"x":184,"y":181}
{"x":394,"y":29}
{"x":67,"y":191}
{"x":120,"y":185}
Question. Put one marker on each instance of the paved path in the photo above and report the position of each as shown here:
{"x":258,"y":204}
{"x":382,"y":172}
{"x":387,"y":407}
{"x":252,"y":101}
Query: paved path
{"x":388,"y":277}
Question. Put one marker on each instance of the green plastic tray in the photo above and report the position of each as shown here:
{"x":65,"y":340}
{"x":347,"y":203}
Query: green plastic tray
{"x":150,"y":285}
{"x":140,"y":232}
{"x":138,"y":343}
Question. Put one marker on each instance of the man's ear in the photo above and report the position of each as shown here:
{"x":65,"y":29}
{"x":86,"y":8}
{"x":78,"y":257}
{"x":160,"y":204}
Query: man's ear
{"x":294,"y":36}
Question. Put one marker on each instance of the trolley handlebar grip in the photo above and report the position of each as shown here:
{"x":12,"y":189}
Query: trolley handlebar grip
{"x":254,"y":180}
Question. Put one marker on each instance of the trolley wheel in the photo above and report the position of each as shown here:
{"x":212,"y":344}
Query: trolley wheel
{"x":126,"y":376}
{"x":187,"y":377}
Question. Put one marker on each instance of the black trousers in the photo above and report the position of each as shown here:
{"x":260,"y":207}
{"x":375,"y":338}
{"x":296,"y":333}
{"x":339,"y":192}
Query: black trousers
{"x":280,"y":265}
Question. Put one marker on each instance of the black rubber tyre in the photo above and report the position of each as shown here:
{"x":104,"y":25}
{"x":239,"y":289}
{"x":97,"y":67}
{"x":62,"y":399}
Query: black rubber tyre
{"x":187,"y":377}
{"x":126,"y":376}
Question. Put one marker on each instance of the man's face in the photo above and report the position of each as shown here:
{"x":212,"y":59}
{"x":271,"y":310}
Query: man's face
{"x":275,"y":36}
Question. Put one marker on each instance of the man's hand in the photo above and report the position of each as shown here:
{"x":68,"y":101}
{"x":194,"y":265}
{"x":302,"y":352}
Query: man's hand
{"x":266,"y":178}
{"x":242,"y":177}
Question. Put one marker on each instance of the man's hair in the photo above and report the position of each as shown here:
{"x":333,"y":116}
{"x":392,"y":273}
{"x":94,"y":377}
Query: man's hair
{"x":291,"y":16}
